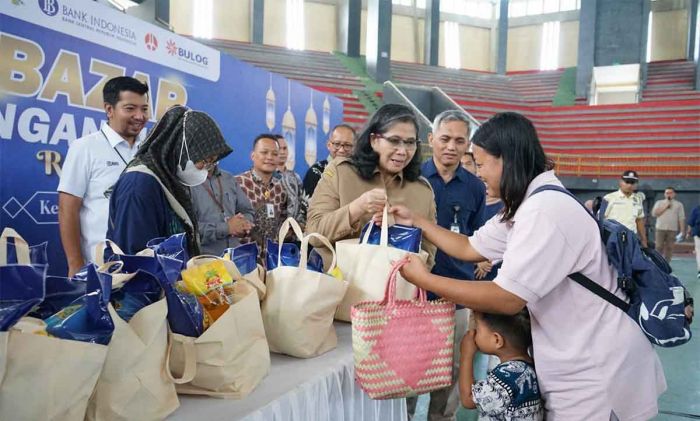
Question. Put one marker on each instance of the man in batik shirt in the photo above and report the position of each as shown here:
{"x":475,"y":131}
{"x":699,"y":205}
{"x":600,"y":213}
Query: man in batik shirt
{"x":265,"y":192}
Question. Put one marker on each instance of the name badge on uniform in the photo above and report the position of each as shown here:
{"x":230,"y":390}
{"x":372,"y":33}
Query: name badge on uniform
{"x":270,"y":210}
{"x":454,"y":228}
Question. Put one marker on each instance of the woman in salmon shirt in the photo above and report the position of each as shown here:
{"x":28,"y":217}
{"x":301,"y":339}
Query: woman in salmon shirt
{"x":592,"y":361}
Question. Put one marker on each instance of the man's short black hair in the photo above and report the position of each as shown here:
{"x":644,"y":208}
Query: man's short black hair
{"x":515,"y":329}
{"x":261,"y":136}
{"x":114,"y":87}
{"x":671,"y":188}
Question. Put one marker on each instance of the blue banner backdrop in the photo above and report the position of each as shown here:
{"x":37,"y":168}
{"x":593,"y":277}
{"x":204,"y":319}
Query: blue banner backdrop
{"x":56,"y":55}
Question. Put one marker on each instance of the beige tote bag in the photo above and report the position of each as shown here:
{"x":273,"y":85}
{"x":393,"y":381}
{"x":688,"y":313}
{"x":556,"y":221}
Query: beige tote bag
{"x":232,"y":356}
{"x":134,"y":383}
{"x":46,"y":378}
{"x":300,"y":305}
{"x":366,"y":267}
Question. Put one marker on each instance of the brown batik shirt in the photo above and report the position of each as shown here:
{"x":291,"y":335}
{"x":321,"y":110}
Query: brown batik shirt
{"x":269,"y":205}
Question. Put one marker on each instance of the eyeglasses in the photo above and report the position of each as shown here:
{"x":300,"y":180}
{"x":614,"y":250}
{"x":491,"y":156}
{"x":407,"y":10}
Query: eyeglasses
{"x":629,"y":181}
{"x":338,"y":145}
{"x":396,"y":142}
{"x":210,"y":163}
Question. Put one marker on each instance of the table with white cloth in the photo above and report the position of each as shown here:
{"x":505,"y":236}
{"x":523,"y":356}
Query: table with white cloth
{"x":315,"y":389}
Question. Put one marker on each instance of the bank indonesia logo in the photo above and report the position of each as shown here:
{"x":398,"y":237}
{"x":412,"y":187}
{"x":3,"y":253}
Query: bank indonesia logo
{"x":49,"y":7}
{"x":151,"y":42}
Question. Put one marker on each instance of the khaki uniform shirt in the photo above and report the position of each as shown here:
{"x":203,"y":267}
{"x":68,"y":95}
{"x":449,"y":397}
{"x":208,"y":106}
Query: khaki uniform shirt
{"x":340,"y":184}
{"x":672,"y":219}
{"x":624,"y":209}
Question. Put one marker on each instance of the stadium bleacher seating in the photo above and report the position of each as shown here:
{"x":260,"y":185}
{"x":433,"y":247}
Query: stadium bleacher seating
{"x":660,"y":136}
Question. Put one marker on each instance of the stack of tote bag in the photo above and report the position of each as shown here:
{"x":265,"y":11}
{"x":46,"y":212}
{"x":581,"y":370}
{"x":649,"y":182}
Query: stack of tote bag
{"x":231,"y":357}
{"x":41,"y":377}
{"x":300,"y":304}
{"x":366,"y":267}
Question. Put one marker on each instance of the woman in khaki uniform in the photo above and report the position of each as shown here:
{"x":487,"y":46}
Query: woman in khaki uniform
{"x":384,"y":167}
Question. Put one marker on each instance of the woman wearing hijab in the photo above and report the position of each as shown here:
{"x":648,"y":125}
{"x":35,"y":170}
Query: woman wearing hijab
{"x":152,"y":197}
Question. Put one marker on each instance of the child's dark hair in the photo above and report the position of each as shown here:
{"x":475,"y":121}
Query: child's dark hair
{"x":515,"y":329}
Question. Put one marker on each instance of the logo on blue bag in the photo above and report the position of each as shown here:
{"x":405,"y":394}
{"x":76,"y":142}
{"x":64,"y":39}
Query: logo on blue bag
{"x":49,"y":7}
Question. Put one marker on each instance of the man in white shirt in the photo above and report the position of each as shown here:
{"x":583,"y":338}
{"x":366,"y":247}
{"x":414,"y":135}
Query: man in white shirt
{"x":670,"y":220}
{"x":93,"y":165}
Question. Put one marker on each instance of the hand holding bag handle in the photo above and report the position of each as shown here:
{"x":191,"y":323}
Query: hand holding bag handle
{"x":284,"y":229}
{"x":390,"y":291}
{"x":305,"y":247}
{"x":384,"y":234}
{"x":21,"y":247}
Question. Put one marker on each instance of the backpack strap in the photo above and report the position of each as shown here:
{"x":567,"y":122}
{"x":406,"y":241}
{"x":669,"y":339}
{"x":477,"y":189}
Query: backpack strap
{"x":565,"y":191}
{"x":578,"y":277}
{"x":598,"y":290}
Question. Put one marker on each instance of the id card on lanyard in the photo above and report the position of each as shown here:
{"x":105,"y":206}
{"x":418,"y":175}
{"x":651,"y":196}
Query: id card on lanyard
{"x":454,"y":226}
{"x":270,"y":208}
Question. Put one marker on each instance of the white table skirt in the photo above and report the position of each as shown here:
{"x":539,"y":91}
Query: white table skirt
{"x":316,"y":389}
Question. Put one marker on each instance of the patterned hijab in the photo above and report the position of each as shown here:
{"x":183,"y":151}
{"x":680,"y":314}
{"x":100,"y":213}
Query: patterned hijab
{"x":161,"y":150}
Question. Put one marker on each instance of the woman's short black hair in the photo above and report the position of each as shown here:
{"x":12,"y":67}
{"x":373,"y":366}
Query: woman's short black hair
{"x":512,"y":137}
{"x":364,"y":157}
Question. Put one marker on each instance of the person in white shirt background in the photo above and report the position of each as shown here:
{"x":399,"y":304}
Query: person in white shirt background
{"x":93,"y":165}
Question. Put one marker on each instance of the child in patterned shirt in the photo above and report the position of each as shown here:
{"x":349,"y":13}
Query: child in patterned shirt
{"x":510,"y":392}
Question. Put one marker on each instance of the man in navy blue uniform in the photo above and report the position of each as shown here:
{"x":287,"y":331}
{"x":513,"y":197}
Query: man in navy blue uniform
{"x":459,"y":199}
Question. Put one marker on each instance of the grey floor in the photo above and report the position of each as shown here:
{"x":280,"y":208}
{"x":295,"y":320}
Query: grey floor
{"x":681,"y":365}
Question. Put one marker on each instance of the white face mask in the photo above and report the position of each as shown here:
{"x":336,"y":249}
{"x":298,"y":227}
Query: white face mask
{"x":191,"y":176}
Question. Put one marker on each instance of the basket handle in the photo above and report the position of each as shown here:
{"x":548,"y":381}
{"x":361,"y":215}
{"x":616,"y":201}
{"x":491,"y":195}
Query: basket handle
{"x":390,"y":292}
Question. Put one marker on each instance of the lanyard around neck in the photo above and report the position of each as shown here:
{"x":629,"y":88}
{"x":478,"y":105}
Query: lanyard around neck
{"x":114,"y":147}
{"x":219,"y":202}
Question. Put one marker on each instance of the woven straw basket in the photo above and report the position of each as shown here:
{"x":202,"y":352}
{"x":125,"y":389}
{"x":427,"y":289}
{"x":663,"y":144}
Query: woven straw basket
{"x":402,"y":348}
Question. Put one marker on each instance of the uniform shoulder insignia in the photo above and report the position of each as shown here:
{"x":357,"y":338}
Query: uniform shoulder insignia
{"x":329,"y":173}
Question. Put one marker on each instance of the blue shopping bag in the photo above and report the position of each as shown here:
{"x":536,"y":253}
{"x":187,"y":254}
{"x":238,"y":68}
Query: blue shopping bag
{"x":10,"y":241}
{"x":174,"y":247}
{"x":291,"y":256}
{"x":87,"y":318}
{"x":185,"y":313}
{"x":21,"y":280}
{"x":141,"y":290}
{"x":21,"y":288}
{"x":244,"y":256}
{"x":400,"y":236}
{"x":60,"y":292}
